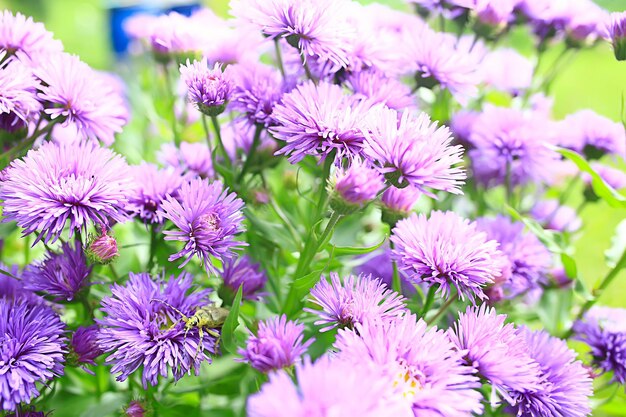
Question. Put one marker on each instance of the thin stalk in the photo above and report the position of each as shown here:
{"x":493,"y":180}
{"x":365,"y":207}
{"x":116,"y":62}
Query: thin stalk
{"x":312,"y":245}
{"x":507,"y":185}
{"x":253,"y":149}
{"x":597,"y":292}
{"x":152,"y":247}
{"x":172,"y":97}
{"x":220,"y":143}
{"x":207,"y":134}
{"x":443,"y":308}
{"x":279,"y":58}
{"x":430,"y":298}
{"x":396,"y":284}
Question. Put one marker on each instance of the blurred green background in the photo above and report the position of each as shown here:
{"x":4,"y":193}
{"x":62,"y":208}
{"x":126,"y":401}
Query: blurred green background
{"x":593,"y":79}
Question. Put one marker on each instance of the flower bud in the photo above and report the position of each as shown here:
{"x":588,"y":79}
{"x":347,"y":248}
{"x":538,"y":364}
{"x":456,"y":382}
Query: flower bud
{"x":616,"y":31}
{"x":354,"y":187}
{"x":397,"y":203}
{"x":136,"y":409}
{"x":102,"y":249}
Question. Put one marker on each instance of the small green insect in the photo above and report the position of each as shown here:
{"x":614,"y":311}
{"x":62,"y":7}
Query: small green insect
{"x":208,"y":318}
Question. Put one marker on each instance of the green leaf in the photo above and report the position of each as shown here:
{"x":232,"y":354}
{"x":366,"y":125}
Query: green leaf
{"x":569,"y":264}
{"x":231,"y":323}
{"x":618,"y":245}
{"x":600,"y":187}
{"x":351,"y":250}
{"x":299,"y":288}
{"x":549,"y":238}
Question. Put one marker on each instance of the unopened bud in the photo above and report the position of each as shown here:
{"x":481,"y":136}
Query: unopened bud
{"x":102,"y":249}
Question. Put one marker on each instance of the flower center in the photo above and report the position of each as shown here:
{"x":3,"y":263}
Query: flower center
{"x":407,"y":381}
{"x":209,"y":222}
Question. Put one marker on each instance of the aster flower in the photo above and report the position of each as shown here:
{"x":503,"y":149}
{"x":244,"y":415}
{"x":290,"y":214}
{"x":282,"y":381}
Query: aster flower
{"x":18,"y":99}
{"x":279,"y":343}
{"x":595,"y":135}
{"x":462,"y":125}
{"x":553,"y":216}
{"x":351,"y":188}
{"x":397,"y":203}
{"x":31,"y":350}
{"x":84,"y":348}
{"x":378,"y":265}
{"x":19,"y":33}
{"x":505,"y":69}
{"x":496,"y":350}
{"x":138,"y":330}
{"x":60,"y":183}
{"x":61,"y":275}
{"x":152,"y":186}
{"x":376,"y":87}
{"x":615,"y":32}
{"x":81,"y":98}
{"x":426,"y":367}
{"x":207,"y":218}
{"x":238,"y":137}
{"x":318,"y":28}
{"x":565,"y":384}
{"x":411,"y":150}
{"x":243,"y":272}
{"x":604,"y":331}
{"x":528,"y":259}
{"x":28,"y":413}
{"x":135,"y":409}
{"x":209,"y":89}
{"x":317,"y":120}
{"x":352,"y":300}
{"x":189,"y":158}
{"x":507,"y":139}
{"x":102,"y":248}
{"x":257,"y":89}
{"x":447,"y":251}
{"x":327,"y":388}
{"x":489,"y":12}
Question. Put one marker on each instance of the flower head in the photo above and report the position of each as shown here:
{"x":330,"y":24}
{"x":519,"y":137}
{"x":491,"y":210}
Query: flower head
{"x":327,"y":388}
{"x":81,"y":98}
{"x":209,"y":89}
{"x":278,"y":344}
{"x":317,"y":120}
{"x":135,"y":409}
{"x":445,"y":250}
{"x":152,"y":186}
{"x":352,"y":300}
{"x":61,"y":275}
{"x":141,"y":328}
{"x":18,"y":94}
{"x":245,"y":273}
{"x":496,"y":350}
{"x":59,"y":184}
{"x":189,"y":158}
{"x":595,"y":135}
{"x":32,"y":345}
{"x":427,"y":369}
{"x":84,"y":348}
{"x":207,"y":218}
{"x":604,"y":331}
{"x":528,"y":259}
{"x":19,"y":33}
{"x":553,"y":216}
{"x":379,"y":265}
{"x":355,"y":186}
{"x":378,"y":88}
{"x":397,"y":203}
{"x":616,"y":34}
{"x":318,"y":28}
{"x":411,"y":150}
{"x":565,"y":385}
{"x":505,"y":69}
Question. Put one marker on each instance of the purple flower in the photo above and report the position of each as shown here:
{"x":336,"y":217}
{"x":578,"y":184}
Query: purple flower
{"x":32,"y":345}
{"x":141,"y":329}
{"x":135,"y":409}
{"x":191,"y":158}
{"x":207,"y":218}
{"x":61,"y":275}
{"x":317,"y":120}
{"x":505,"y":69}
{"x":565,"y":384}
{"x":18,"y":99}
{"x":426,"y":367}
{"x":604,"y":331}
{"x":238,"y":137}
{"x":552,"y":216}
{"x":19,"y":33}
{"x":81,"y":98}
{"x":346,"y":302}
{"x":102,"y":248}
{"x":257,"y":89}
{"x":378,"y":265}
{"x":490,"y":12}
{"x":76,"y":182}
{"x":28,"y":413}
{"x":496,"y":350}
{"x":595,"y":135}
{"x":278,"y":344}
{"x":616,"y":33}
{"x":328,"y":387}
{"x":462,"y":125}
{"x":614,"y":177}
{"x":445,"y":250}
{"x":355,"y":186}
{"x":209,"y":89}
{"x":509,"y":140}
{"x":84,"y":348}
{"x":376,"y":87}
{"x":411,"y":150}
{"x":400,"y":201}
{"x":242,"y":272}
{"x":152,"y":186}
{"x":529,"y":260}
{"x":318,"y":28}
{"x":12,"y":287}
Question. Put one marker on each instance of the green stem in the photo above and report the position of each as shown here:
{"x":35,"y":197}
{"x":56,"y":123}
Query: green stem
{"x":312,"y":245}
{"x":597,"y":292}
{"x":321,"y":202}
{"x":443,"y":308}
{"x":172,"y":102}
{"x":279,"y":58}
{"x":507,"y":185}
{"x":253,"y":149}
{"x":430,"y":298}
{"x":153,"y":242}
{"x":220,"y":144}
{"x":207,"y":135}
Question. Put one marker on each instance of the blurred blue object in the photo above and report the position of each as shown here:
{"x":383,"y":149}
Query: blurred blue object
{"x":119,"y":11}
